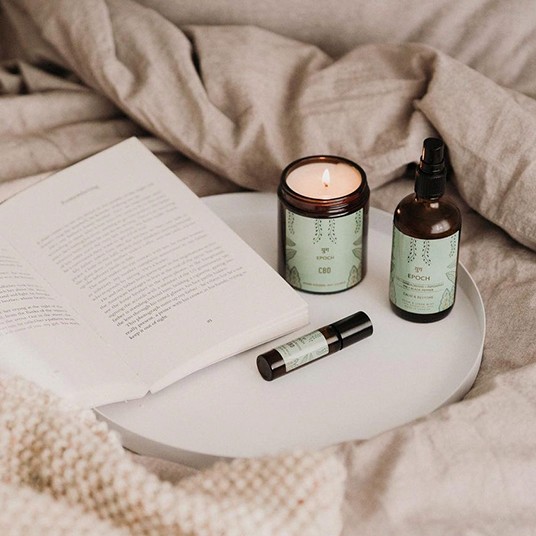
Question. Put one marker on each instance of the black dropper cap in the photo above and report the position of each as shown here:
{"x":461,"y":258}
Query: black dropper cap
{"x":431,"y":175}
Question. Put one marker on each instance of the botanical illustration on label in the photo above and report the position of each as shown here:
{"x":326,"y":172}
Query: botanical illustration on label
{"x":303,"y":350}
{"x":323,"y":254}
{"x":423,"y":273}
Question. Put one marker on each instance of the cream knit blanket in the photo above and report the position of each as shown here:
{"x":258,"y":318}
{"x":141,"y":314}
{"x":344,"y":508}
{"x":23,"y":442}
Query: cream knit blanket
{"x":64,"y":473}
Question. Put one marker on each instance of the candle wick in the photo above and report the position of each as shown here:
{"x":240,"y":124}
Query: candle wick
{"x":325,"y":178}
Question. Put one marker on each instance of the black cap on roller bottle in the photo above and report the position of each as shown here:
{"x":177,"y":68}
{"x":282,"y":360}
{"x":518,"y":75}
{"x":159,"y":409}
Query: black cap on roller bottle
{"x":353,"y":328}
{"x":431,"y":175}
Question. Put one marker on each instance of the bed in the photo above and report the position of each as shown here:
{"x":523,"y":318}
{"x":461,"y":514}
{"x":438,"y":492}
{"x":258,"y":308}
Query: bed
{"x":226,"y":95}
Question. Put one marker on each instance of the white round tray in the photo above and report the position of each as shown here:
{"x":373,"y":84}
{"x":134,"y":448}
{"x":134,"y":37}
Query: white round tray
{"x":402,"y":372}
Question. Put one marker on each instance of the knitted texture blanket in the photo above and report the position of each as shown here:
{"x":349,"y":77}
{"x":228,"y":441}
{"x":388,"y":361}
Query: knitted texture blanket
{"x":62,"y":472}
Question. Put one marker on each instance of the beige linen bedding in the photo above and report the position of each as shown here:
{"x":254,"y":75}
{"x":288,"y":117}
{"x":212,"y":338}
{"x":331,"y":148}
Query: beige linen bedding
{"x":226,"y":107}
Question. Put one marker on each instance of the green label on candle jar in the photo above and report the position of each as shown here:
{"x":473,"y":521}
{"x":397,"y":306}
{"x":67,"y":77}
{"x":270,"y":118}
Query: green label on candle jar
{"x":323,"y":254}
{"x":423,"y":273}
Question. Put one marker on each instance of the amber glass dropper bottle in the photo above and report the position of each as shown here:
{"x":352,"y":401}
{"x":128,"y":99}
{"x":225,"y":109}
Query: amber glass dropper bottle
{"x":426,"y":237}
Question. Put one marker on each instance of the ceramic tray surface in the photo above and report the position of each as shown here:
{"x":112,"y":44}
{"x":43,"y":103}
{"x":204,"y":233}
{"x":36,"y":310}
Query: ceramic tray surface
{"x":402,"y":372}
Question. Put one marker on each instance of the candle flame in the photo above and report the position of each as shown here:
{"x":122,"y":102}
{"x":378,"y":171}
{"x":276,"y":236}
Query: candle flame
{"x":326,"y":179}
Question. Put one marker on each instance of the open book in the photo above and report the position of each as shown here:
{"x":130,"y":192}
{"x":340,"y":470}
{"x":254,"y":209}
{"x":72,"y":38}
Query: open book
{"x":116,"y":280}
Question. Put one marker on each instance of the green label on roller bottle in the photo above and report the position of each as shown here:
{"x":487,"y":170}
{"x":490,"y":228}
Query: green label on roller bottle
{"x":323,"y":254}
{"x":423,"y":273}
{"x":303,"y":350}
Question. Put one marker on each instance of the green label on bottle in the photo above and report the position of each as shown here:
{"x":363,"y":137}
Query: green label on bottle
{"x":423,"y":273}
{"x":303,"y":350}
{"x":323,"y":254}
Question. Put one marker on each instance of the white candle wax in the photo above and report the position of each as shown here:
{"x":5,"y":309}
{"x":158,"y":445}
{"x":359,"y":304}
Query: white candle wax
{"x":312,"y":180}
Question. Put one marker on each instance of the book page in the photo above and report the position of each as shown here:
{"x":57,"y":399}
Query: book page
{"x":44,"y":340}
{"x":148,"y":265}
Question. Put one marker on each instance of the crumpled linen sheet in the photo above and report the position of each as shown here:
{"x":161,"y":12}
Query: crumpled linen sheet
{"x":227,"y":107}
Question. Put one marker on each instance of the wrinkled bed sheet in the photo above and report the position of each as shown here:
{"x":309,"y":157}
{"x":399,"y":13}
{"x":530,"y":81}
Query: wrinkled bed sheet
{"x":227,"y":106}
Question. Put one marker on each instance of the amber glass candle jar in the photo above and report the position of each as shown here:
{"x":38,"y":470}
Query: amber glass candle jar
{"x":323,"y":223}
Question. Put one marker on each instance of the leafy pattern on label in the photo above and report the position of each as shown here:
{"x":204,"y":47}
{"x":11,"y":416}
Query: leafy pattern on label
{"x":332,"y":235}
{"x":446,"y":300}
{"x":323,"y":254}
{"x":412,"y":249}
{"x":353,"y":277}
{"x":453,"y":247}
{"x":318,"y":231}
{"x":303,"y":350}
{"x":290,"y":225}
{"x":423,"y":273}
{"x":426,"y":253}
{"x":293,"y":277}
